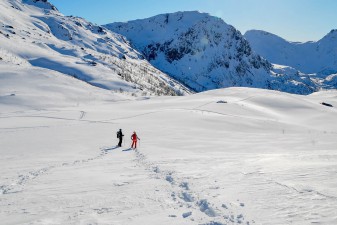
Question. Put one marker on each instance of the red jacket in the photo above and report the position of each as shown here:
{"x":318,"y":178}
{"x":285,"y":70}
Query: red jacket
{"x":134,"y":137}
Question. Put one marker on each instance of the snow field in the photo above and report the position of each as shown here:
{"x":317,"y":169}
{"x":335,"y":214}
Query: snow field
{"x":263,"y":157}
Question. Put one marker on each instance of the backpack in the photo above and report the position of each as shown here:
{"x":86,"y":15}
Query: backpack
{"x":118,"y":134}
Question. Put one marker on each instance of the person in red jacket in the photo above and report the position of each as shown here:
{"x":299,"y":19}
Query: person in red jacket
{"x":134,"y":139}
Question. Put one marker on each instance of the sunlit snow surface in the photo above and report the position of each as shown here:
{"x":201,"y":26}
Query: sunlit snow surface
{"x":264,"y":157}
{"x":231,"y":156}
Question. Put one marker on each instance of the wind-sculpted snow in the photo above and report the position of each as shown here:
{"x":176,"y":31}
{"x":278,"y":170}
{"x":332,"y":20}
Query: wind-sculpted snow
{"x":205,"y":53}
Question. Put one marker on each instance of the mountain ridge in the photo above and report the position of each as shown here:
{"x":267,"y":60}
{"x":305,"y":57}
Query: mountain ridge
{"x":308,"y":57}
{"x":204,"y":52}
{"x":167,"y":54}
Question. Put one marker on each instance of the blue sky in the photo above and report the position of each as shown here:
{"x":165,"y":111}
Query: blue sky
{"x":294,"y":20}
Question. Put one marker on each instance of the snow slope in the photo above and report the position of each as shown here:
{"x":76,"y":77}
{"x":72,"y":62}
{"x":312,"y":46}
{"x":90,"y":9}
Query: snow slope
{"x":35,"y":33}
{"x":311,"y":57}
{"x":264,"y":157}
{"x":204,"y":53}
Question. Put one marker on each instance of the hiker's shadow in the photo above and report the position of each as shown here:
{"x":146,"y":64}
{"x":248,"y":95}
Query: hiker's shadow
{"x":110,"y":149}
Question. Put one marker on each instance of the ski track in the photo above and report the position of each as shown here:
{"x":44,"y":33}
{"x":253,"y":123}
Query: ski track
{"x":108,"y":121}
{"x":80,"y":119}
{"x":31,"y":113}
{"x":305,"y":191}
{"x":24,"y":178}
{"x":83,"y":114}
{"x":300,"y":192}
{"x":184,"y":196}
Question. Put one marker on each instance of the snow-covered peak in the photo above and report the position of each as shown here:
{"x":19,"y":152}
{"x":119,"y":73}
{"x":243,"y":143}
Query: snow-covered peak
{"x":193,"y":47}
{"x":332,"y":32}
{"x":330,"y":38}
{"x":166,"y":26}
{"x":178,"y":19}
{"x":259,"y":32}
{"x":261,"y":36}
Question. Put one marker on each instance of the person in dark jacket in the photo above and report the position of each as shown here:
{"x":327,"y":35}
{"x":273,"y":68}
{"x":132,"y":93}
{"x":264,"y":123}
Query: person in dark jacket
{"x":120,"y":137}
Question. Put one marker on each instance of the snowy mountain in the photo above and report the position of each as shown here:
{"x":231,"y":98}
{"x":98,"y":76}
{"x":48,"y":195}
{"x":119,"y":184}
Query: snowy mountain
{"x":311,"y":57}
{"x":34,"y":34}
{"x":204,"y":52}
{"x":222,"y":157}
